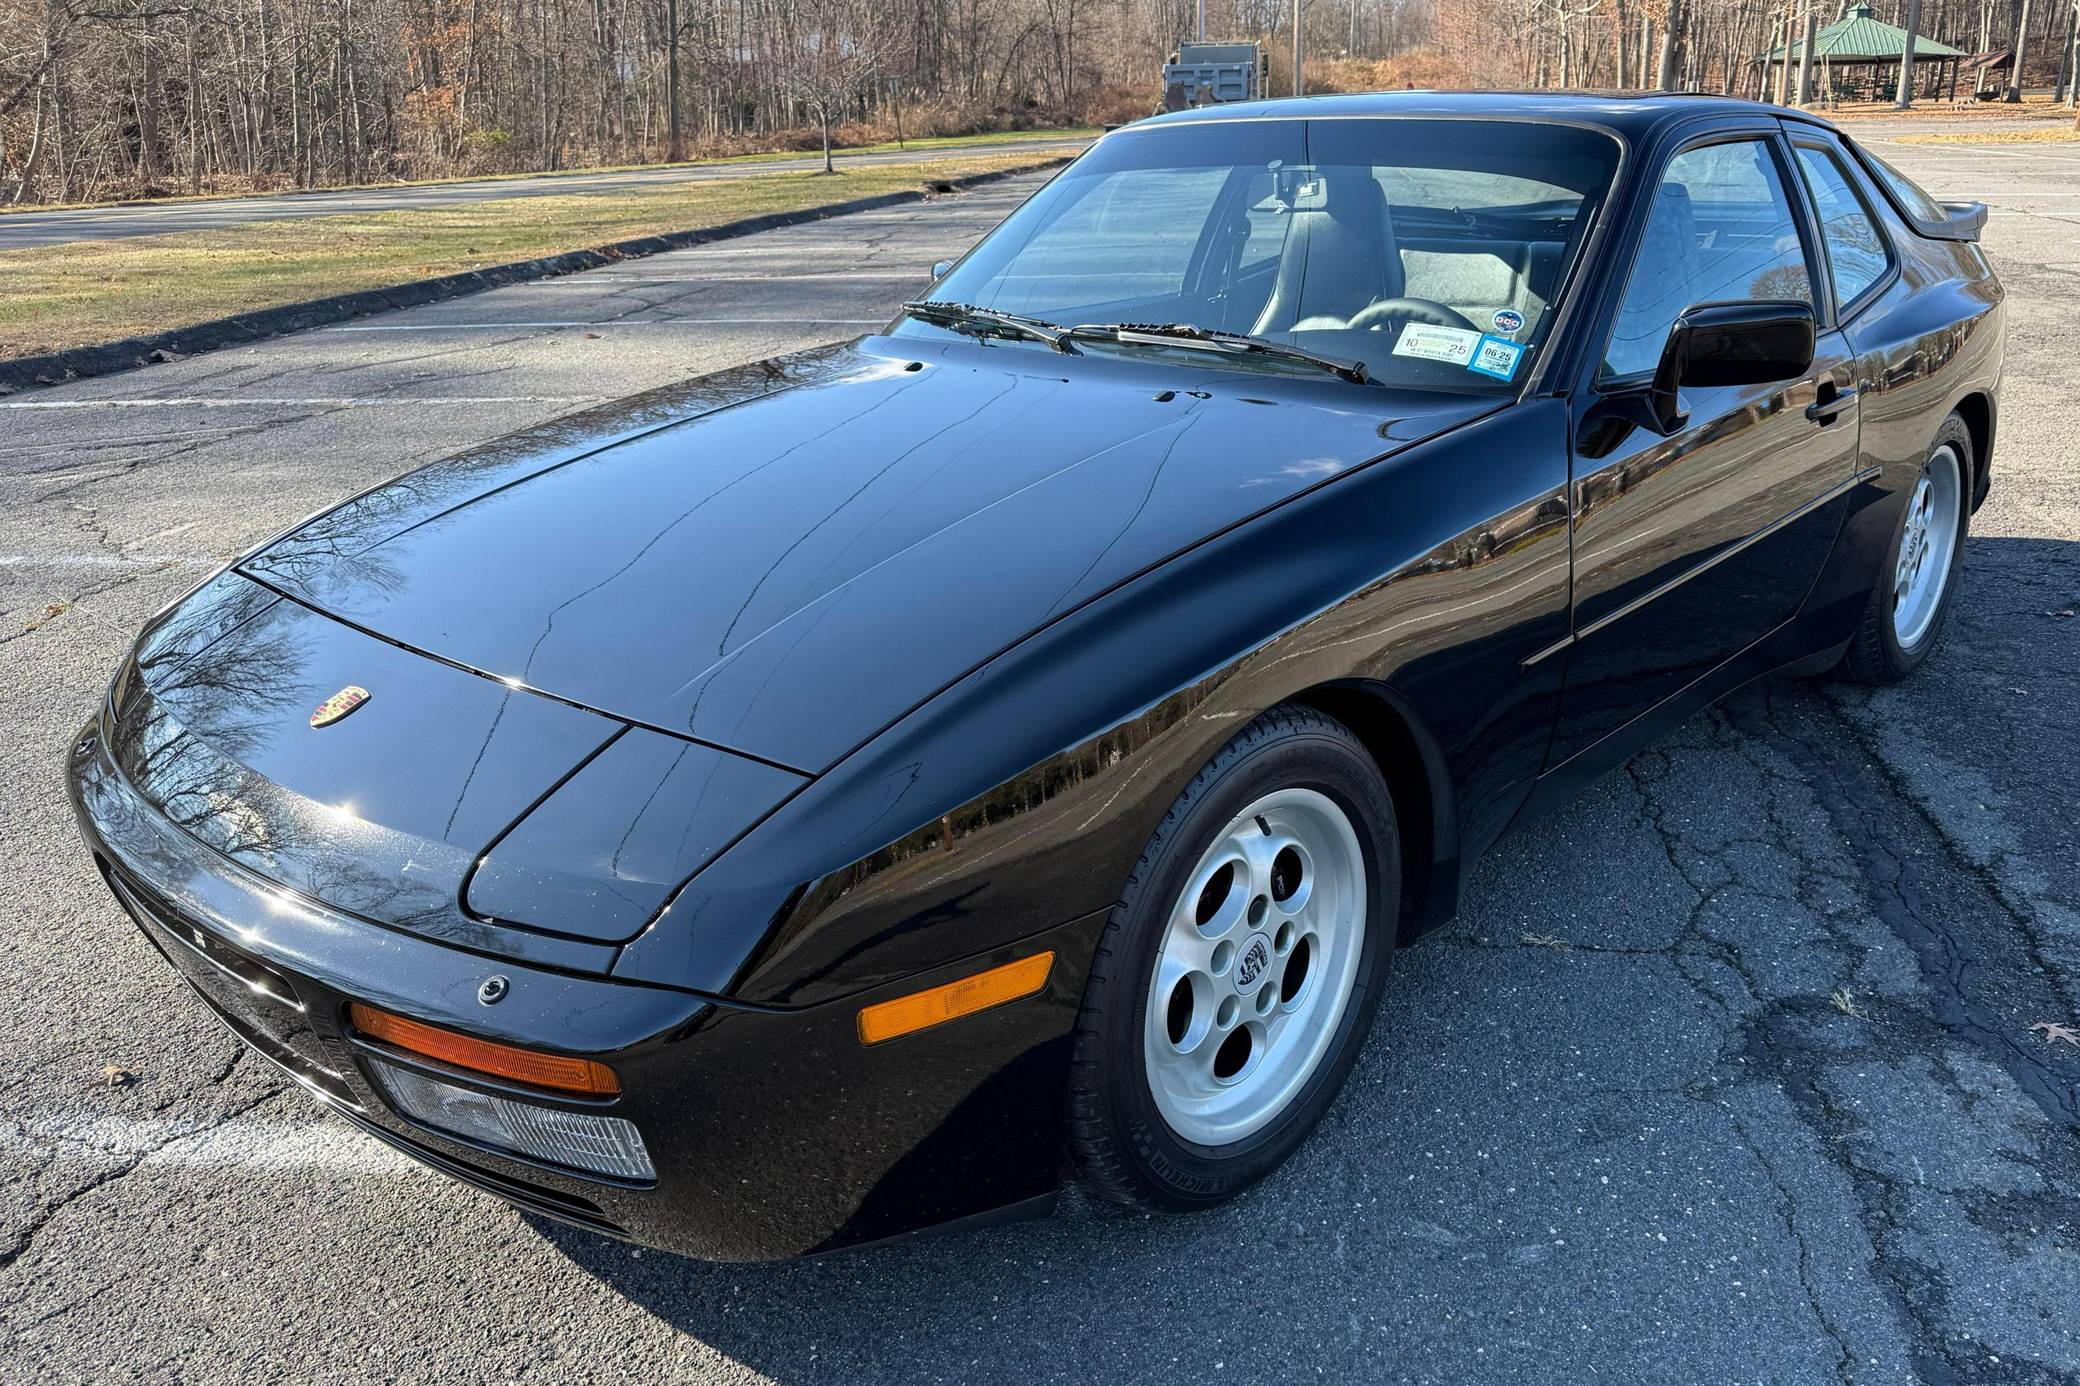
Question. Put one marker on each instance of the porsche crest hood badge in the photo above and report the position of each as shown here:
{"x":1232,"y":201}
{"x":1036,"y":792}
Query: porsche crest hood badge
{"x":339,"y":705}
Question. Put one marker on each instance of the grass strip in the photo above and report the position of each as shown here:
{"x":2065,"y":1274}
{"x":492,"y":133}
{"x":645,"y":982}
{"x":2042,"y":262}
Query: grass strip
{"x":88,"y":292}
{"x":2056,"y":134}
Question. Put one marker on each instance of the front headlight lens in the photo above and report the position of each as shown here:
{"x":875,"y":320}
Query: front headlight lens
{"x":581,"y":1140}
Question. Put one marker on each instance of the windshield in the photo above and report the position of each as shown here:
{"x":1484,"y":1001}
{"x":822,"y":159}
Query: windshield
{"x":1434,"y":251}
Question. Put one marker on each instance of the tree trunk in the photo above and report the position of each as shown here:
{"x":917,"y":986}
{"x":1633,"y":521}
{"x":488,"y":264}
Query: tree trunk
{"x":2021,"y":47}
{"x":23,"y":189}
{"x":675,"y":139}
{"x":1906,"y":58}
{"x":1619,"y":24}
{"x":194,"y":110}
{"x":148,"y":104}
{"x":1671,"y":39}
{"x":2065,"y":59}
{"x":1805,"y":56}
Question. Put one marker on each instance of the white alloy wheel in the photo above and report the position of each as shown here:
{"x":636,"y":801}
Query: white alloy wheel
{"x":1926,"y":544}
{"x":1255,"y":967}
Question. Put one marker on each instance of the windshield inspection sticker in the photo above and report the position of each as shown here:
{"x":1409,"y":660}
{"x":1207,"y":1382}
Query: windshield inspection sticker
{"x":1508,"y":320}
{"x":1451,"y":345}
{"x":1495,"y":357}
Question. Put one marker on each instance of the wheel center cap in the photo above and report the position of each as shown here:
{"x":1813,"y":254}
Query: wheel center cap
{"x":1254,"y":965}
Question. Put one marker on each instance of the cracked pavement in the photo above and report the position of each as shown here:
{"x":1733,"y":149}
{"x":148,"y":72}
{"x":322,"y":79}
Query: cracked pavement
{"x":1723,"y":1073}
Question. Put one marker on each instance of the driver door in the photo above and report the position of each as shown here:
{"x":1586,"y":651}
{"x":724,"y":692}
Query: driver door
{"x":1690,"y":547}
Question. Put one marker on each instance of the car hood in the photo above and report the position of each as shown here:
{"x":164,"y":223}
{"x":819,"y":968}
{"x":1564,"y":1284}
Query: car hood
{"x":402,"y":789}
{"x":782,"y":560}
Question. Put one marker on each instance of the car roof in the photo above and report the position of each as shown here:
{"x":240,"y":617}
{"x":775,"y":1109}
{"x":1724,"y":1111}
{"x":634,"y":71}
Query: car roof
{"x":1631,"y":114}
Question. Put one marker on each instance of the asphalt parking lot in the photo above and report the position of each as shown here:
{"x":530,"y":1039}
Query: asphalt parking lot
{"x":1723,"y":1074}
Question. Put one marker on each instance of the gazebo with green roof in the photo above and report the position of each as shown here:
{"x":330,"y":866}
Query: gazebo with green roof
{"x":1866,"y":45}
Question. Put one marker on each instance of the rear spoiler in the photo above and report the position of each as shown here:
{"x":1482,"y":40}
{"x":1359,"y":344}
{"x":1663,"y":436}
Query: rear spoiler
{"x":1962,"y":221}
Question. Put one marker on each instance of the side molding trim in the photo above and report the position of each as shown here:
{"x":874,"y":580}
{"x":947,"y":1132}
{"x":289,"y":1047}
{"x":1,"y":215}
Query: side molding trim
{"x":1827,"y":497}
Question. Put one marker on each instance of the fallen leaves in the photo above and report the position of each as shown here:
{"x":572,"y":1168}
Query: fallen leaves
{"x":116,"y":1076}
{"x":2054,"y":1032}
{"x":1845,"y":1003}
{"x":46,"y":616}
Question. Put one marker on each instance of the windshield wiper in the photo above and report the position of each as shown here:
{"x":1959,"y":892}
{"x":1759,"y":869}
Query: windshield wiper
{"x":1184,"y":334}
{"x":966,"y":317}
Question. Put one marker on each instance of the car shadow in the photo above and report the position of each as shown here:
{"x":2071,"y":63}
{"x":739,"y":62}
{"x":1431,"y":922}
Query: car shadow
{"x":1587,"y":1137}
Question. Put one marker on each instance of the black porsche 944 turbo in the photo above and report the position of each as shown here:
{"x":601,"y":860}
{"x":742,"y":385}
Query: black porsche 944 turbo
{"x":838,"y":796}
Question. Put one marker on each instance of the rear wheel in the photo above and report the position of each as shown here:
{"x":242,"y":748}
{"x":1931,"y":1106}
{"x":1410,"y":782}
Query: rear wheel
{"x":1237,"y":976}
{"x":1911,"y":598}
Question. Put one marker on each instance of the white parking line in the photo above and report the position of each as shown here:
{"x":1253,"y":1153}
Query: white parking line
{"x":596,"y":326}
{"x":323,"y":402}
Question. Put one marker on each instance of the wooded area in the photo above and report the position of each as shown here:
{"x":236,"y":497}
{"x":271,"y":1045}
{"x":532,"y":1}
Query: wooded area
{"x":107,"y":98}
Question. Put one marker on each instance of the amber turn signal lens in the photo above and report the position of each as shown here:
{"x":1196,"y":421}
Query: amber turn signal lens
{"x":555,"y":1071}
{"x":884,"y":1020}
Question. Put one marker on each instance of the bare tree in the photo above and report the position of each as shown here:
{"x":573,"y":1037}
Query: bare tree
{"x":838,"y":47}
{"x":102,"y":98}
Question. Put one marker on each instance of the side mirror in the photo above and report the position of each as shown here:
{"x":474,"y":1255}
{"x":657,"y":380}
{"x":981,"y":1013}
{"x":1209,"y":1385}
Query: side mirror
{"x":1730,"y":344}
{"x":939,"y":270}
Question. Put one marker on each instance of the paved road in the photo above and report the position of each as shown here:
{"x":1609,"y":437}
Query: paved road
{"x":1614,"y":1126}
{"x":22,"y":229}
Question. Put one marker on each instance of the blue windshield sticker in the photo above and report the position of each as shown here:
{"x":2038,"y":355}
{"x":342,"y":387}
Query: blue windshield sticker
{"x":1508,"y":320}
{"x":1493,"y":356}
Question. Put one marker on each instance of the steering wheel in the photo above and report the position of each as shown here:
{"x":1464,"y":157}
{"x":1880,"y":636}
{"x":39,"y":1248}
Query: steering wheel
{"x":1376,"y":314}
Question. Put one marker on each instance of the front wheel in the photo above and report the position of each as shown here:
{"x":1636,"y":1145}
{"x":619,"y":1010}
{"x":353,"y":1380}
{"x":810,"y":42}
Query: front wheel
{"x":1911,"y":598}
{"x":1239,"y":972}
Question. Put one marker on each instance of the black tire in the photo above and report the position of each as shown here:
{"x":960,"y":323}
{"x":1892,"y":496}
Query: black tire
{"x":1875,"y":655}
{"x":1119,"y":1142}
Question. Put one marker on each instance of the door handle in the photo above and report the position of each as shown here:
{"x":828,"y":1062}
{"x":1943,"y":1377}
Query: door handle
{"x":1831,"y":402}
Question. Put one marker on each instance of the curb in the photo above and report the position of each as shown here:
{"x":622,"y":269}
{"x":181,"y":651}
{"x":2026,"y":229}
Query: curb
{"x":79,"y":363}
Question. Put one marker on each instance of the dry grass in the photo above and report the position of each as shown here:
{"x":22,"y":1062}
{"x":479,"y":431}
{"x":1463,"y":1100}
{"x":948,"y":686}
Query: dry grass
{"x":86,"y":292}
{"x":2054,"y":134}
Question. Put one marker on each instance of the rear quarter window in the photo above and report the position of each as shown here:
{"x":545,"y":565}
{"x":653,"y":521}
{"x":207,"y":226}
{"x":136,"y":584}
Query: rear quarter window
{"x":1904,"y":190}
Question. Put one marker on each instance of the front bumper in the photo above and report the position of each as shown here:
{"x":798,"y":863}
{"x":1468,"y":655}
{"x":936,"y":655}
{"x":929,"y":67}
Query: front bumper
{"x":774,"y":1132}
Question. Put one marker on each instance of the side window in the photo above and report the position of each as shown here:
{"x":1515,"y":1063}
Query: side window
{"x":1856,"y":253}
{"x":1904,"y":188}
{"x":1721,"y":230}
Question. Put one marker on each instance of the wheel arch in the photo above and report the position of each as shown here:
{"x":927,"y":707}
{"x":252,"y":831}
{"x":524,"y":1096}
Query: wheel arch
{"x":1425,"y":804}
{"x":1976,"y":409}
